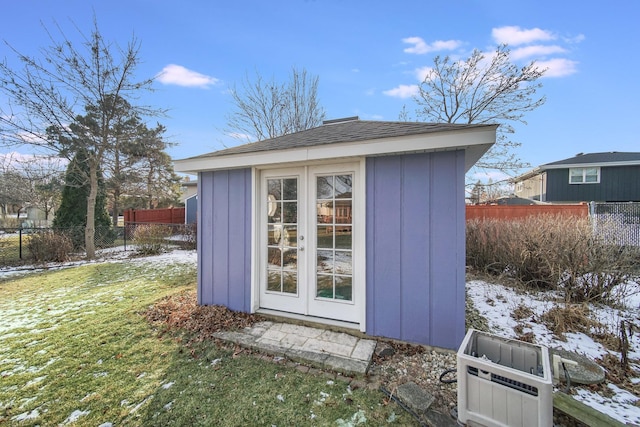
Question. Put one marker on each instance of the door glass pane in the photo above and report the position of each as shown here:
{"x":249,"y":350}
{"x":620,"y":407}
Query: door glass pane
{"x":273,"y":281}
{"x":324,"y":212}
{"x":290,"y":260}
{"x":325,"y":262}
{"x":343,"y":237}
{"x":274,"y":188}
{"x":290,"y":189}
{"x":290,"y":282}
{"x":290,"y":212}
{"x":334,"y":241}
{"x":343,"y":262}
{"x":324,"y":286}
{"x":324,"y":237}
{"x":343,"y":186}
{"x":274,"y":211}
{"x":324,"y":187}
{"x":274,"y":258}
{"x":282,"y":235}
{"x":344,"y":288}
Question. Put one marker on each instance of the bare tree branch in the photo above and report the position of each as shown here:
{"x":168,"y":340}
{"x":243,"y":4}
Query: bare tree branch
{"x":266,"y":109}
{"x":482,"y":89}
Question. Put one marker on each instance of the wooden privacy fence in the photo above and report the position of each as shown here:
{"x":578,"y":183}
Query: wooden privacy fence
{"x":506,"y":212}
{"x":162,"y":216}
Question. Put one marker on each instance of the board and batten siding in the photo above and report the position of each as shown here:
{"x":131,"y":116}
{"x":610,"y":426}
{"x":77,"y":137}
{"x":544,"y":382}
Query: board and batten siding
{"x":617,"y":184}
{"x":415,"y":248}
{"x":224,"y":239}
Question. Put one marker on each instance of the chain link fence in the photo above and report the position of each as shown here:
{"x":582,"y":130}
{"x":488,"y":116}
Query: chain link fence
{"x":617,"y":223}
{"x":20,"y":246}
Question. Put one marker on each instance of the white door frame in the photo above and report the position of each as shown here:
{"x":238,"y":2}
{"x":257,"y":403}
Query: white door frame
{"x":258,"y":238}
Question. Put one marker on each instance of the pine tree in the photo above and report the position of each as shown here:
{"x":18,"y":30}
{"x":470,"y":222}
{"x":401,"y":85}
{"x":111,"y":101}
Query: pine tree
{"x":71,"y":216}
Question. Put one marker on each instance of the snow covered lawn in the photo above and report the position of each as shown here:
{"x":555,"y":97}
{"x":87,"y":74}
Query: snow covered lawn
{"x":498,"y":304}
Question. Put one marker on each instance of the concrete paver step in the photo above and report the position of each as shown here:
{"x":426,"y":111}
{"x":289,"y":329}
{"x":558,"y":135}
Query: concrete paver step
{"x":337,"y":351}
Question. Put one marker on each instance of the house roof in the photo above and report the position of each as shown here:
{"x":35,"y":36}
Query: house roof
{"x":349,"y":138}
{"x":597,"y":159}
{"x":609,"y":158}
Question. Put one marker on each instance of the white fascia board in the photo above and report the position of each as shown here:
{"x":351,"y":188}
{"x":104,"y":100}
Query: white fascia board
{"x":593,"y":165}
{"x":476,"y":142}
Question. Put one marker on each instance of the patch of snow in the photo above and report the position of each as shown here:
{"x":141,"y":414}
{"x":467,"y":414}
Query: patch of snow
{"x":168,"y":385}
{"x":75,"y":416}
{"x":619,"y":407}
{"x":35,"y":381}
{"x":106,"y":425}
{"x":356,"y":419}
{"x":496,"y":303}
{"x":280,"y":398}
{"x":32,"y":415}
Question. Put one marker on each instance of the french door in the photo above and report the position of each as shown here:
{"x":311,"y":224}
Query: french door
{"x":308,"y":247}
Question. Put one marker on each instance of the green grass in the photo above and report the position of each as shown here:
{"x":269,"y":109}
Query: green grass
{"x":76,"y":349}
{"x":10,"y":249}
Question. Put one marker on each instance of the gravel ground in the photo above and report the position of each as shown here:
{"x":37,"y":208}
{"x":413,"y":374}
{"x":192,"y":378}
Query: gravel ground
{"x":421,"y":366}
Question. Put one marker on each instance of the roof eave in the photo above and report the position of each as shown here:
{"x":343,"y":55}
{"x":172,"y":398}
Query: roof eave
{"x":475,"y":142}
{"x":591,"y":165}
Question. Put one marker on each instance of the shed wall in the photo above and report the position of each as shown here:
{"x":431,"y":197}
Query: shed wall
{"x":224,"y":239}
{"x":415,"y":248}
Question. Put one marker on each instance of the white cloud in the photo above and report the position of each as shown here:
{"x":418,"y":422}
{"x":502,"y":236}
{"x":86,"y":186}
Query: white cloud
{"x":174,"y":74}
{"x":558,"y":67}
{"x":514,"y":35}
{"x":422,"y":72}
{"x":576,"y":39}
{"x":402,"y":91}
{"x":421,"y":47}
{"x":535,"y":51}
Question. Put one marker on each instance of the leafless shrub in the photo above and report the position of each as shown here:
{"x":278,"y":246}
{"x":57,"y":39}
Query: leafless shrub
{"x":150,"y":239}
{"x":49,"y":246}
{"x":552,"y":252}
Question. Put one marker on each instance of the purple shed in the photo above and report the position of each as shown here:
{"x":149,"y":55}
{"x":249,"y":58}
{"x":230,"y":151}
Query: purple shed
{"x":359,"y":224}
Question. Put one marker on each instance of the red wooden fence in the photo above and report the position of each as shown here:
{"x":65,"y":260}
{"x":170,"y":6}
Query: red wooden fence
{"x":163,"y":216}
{"x":506,"y":212}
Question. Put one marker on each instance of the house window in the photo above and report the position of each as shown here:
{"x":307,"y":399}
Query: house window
{"x":584,"y":175}
{"x":520,"y":187}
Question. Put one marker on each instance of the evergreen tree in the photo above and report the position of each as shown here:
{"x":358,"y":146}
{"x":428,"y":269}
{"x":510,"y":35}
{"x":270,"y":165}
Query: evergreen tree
{"x":72,"y":213}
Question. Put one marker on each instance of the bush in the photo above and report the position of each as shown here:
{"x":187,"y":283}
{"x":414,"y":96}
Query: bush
{"x":150,"y":239}
{"x":551,"y":252}
{"x":48,"y":246}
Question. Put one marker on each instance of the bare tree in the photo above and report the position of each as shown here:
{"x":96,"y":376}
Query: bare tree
{"x":46,"y":96}
{"x":267,"y":109}
{"x":482,"y":89}
{"x":30,"y":181}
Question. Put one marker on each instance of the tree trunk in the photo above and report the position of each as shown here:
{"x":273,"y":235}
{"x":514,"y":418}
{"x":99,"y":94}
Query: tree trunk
{"x":90,"y":228}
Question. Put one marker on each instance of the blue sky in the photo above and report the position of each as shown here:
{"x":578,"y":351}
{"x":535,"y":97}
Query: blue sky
{"x":368,"y":56}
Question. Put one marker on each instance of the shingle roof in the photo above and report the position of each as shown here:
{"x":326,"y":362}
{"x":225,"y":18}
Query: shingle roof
{"x":335,"y":131}
{"x":606,"y":157}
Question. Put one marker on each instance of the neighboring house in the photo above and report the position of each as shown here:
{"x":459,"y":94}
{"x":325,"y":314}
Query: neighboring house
{"x":359,"y":224}
{"x":599,"y":177}
{"x":189,"y":197}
